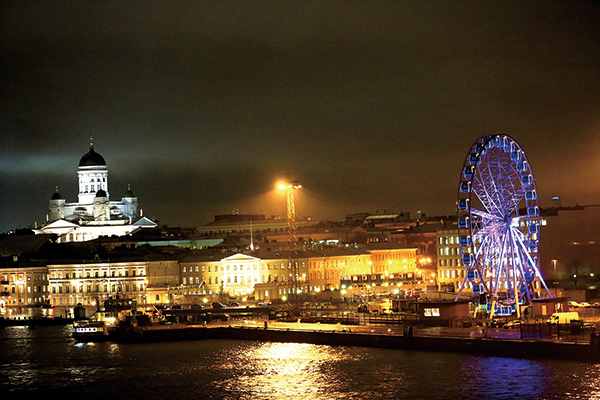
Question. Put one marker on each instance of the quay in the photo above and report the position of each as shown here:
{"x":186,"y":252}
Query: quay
{"x":34,"y":321}
{"x":437,"y":340}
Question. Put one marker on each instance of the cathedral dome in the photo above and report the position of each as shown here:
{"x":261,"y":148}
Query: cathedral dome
{"x":57,"y":196}
{"x":91,"y":158}
{"x":129,"y":192}
{"x":100,"y":193}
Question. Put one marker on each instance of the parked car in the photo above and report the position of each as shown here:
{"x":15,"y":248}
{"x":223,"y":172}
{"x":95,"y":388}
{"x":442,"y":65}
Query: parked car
{"x":574,"y":304}
{"x":264,"y":303}
{"x":234,"y":304}
{"x":216,"y":304}
{"x":585,"y":304}
{"x":514,"y":324}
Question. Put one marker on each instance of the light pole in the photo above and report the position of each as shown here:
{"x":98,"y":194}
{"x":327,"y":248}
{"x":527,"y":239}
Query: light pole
{"x":290,"y":187}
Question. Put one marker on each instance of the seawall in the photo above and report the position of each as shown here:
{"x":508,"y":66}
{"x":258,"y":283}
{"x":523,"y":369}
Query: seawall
{"x":532,"y":349}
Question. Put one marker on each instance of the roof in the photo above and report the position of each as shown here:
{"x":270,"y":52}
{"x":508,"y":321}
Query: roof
{"x":387,"y":246}
{"x":22,"y":244}
{"x":91,"y":158}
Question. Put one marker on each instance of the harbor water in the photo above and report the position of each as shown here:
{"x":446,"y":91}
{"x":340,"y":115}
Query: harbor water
{"x":47,"y":360}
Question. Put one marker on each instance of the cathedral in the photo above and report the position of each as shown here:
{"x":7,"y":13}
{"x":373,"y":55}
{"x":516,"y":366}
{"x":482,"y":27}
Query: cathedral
{"x":94,"y":214}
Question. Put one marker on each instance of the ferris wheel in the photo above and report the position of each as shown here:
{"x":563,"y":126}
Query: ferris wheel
{"x":498,"y":226}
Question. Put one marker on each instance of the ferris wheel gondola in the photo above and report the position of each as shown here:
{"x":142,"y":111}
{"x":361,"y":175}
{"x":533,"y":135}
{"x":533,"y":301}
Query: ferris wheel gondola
{"x":499,"y":226}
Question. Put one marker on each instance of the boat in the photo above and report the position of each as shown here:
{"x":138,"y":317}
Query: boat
{"x":99,"y":325}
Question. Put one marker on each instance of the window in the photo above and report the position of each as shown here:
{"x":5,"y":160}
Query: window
{"x":431,"y":312}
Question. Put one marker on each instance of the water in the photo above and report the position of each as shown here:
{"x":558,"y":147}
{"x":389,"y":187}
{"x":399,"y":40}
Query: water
{"x":46,"y":360}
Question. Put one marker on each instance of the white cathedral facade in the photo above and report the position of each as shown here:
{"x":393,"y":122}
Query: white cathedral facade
{"x":94,"y":214}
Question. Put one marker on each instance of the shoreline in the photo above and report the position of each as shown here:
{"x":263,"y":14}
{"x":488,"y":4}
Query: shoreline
{"x":389,"y":337}
{"x":334,"y":335}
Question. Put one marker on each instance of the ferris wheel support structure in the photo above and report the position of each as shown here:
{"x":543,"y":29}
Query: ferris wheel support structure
{"x":499,"y":226}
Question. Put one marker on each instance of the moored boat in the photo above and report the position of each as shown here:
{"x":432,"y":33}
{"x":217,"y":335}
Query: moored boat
{"x":99,"y":325}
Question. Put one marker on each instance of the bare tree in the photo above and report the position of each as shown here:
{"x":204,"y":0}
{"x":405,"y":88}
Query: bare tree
{"x":575,"y":270}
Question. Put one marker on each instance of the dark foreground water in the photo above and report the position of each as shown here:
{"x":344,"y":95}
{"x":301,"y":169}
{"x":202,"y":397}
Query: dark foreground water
{"x":46,"y":360}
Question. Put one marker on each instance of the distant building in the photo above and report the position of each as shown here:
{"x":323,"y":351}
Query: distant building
{"x":451,"y":272}
{"x":94,"y":214}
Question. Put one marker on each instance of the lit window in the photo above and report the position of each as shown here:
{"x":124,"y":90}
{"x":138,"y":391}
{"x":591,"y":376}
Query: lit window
{"x":431,"y":312}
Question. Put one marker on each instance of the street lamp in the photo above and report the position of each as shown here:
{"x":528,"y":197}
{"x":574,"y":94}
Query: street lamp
{"x":554,"y":262}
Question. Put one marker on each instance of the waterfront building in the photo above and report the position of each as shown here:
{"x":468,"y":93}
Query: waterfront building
{"x":421,"y":235}
{"x":450,"y":271}
{"x":240,"y":272}
{"x":392,"y":258}
{"x":327,"y":265}
{"x":24,"y":286}
{"x":147,"y":275}
{"x":23,"y":272}
{"x":201,"y":272}
{"x":163,"y":276}
{"x":94,"y":214}
{"x":276,"y":279}
{"x":91,"y":283}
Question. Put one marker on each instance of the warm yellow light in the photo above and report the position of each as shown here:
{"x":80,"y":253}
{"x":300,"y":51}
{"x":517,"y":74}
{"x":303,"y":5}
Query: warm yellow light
{"x":283,"y":186}
{"x":284,"y":298}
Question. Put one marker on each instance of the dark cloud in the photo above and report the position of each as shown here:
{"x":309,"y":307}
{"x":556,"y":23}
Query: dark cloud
{"x":371,"y":105}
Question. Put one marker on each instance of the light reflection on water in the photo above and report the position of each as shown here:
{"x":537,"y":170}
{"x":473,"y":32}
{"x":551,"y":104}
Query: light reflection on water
{"x":281,"y":370}
{"x":47,"y":361}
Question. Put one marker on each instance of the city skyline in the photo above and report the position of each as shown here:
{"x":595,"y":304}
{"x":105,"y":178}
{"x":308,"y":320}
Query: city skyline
{"x":202,"y":109}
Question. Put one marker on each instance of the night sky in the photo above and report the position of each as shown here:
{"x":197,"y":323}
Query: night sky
{"x":372,"y":105}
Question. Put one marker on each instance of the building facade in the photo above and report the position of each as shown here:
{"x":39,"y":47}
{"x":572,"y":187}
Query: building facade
{"x":24,"y":286}
{"x":450,"y":271}
{"x":90,"y":284}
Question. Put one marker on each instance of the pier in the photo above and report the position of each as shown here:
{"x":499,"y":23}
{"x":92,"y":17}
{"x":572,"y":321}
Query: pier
{"x":498,"y":343}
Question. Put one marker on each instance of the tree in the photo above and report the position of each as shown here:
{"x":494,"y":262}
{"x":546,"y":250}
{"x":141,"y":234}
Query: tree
{"x":575,"y":270}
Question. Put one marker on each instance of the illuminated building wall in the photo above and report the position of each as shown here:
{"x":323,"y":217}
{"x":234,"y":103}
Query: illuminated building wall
{"x":450,"y":271}
{"x":23,"y":286}
{"x":90,"y":283}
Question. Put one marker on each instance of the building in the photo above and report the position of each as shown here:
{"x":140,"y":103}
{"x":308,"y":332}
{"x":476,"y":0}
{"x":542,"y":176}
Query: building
{"x":94,"y":214}
{"x":88,"y":274}
{"x":91,"y":283}
{"x":23,"y":271}
{"x":450,"y":271}
{"x":24,"y":286}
